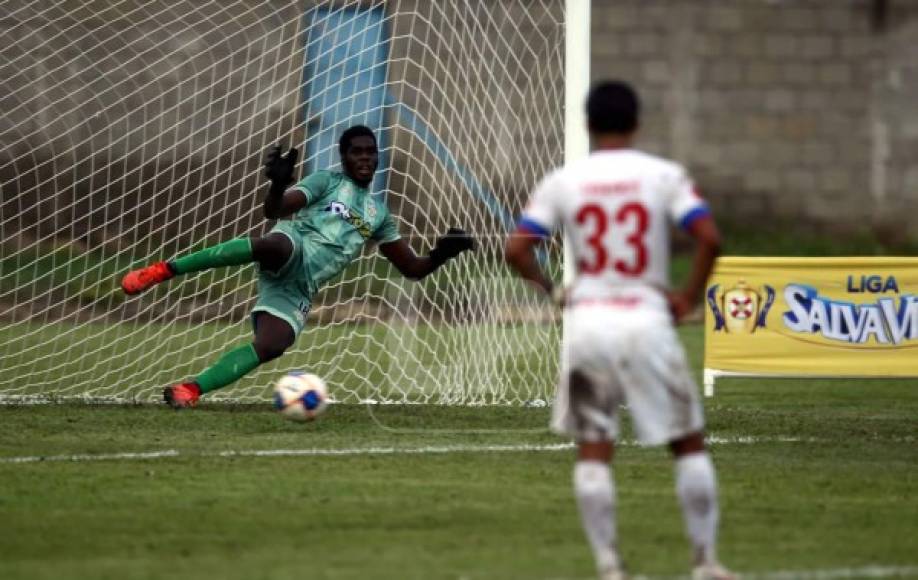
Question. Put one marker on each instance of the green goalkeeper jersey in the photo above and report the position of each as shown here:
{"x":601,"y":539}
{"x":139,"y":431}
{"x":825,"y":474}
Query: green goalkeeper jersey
{"x":338,"y":219}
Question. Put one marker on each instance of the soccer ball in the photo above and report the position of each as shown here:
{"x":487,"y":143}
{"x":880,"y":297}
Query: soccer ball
{"x":300,"y":396}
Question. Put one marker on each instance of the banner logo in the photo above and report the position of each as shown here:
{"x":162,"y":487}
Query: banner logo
{"x":741,"y":308}
{"x":886,"y":321}
{"x":838,"y":316}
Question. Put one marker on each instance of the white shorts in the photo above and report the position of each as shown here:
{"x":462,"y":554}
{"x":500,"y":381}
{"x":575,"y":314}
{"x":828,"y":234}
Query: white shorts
{"x":622,"y":356}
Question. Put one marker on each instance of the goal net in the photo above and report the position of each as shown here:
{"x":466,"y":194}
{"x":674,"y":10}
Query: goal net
{"x":134,"y":131}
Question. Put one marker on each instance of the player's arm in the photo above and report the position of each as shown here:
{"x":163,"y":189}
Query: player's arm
{"x":519,"y":252}
{"x":539,"y":219}
{"x":282,"y":201}
{"x":707,"y":248}
{"x":415,"y":267}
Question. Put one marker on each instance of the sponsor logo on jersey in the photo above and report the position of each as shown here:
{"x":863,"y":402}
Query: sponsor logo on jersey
{"x":344,"y":212}
{"x":338,"y":208}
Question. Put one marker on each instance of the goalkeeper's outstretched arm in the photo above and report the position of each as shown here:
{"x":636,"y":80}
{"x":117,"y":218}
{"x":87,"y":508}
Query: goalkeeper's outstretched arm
{"x":280,"y":169}
{"x":417,"y":267}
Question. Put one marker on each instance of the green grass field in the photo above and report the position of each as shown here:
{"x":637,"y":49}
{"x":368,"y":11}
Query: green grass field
{"x":818,"y":476}
{"x":392,"y":361}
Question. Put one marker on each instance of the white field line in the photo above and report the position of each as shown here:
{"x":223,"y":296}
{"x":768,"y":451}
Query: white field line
{"x":315,"y":452}
{"x":91,"y":457}
{"x":433,"y":450}
{"x":332,"y":452}
{"x":874,"y":571}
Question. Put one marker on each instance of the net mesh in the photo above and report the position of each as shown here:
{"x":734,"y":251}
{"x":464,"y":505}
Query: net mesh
{"x":134,"y":131}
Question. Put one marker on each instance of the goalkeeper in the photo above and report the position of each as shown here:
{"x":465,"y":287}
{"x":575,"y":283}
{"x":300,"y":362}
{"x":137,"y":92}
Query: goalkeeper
{"x":332,"y":216}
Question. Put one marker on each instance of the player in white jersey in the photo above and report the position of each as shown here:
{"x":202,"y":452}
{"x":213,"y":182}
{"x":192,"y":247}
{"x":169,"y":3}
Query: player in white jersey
{"x":620,"y":345}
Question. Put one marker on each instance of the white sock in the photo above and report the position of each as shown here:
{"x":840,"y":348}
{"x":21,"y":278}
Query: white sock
{"x":595,"y":491}
{"x":697,"y":490}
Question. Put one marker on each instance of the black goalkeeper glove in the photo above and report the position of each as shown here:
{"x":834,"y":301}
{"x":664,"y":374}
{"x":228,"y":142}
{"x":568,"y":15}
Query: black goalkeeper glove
{"x":451,"y":245}
{"x":280,"y":168}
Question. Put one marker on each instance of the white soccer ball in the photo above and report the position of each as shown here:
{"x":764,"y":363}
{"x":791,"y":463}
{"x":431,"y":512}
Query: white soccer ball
{"x":300,"y":396}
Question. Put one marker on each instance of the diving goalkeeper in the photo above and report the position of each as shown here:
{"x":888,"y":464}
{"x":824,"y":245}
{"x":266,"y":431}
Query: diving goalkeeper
{"x":332,"y":216}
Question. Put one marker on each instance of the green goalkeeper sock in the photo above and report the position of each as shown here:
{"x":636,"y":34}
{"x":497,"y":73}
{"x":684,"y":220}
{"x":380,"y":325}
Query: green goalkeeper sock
{"x":231,"y":253}
{"x":232,"y":366}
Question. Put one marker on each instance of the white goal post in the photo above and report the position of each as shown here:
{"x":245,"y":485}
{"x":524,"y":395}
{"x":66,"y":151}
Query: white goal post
{"x":134,"y":131}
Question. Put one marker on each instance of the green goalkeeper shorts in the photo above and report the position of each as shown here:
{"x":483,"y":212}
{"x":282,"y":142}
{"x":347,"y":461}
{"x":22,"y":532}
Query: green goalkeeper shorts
{"x":285,"y":293}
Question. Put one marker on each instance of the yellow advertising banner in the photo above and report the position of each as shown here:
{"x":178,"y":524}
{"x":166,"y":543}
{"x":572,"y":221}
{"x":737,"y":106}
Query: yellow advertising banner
{"x":813,"y":316}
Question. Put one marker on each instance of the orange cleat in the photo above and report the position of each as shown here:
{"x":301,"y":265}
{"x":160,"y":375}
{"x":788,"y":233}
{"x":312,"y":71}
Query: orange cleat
{"x":182,"y":396}
{"x":136,"y":281}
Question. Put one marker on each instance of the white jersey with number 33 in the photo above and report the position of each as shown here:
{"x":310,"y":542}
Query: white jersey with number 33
{"x":616,"y":207}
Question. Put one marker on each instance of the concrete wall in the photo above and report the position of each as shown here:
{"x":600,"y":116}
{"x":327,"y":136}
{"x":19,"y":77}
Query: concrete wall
{"x":142,"y":124}
{"x":139,"y":124}
{"x":803,"y":111}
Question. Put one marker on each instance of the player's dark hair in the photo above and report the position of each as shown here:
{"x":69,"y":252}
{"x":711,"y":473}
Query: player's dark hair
{"x":612,"y":107}
{"x":356,"y":131}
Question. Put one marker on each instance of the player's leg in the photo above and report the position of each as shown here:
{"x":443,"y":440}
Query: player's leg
{"x":278,"y":317}
{"x":594,"y":488}
{"x":585,"y":408}
{"x":666,"y":408}
{"x":663,"y":402}
{"x":273,"y":336}
{"x":594,"y":481}
{"x":696,"y":487}
{"x":271,"y":252}
{"x":230,"y":253}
